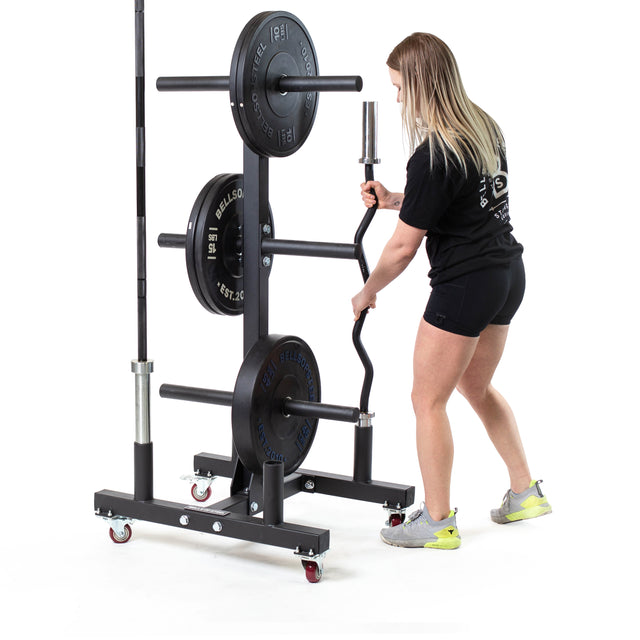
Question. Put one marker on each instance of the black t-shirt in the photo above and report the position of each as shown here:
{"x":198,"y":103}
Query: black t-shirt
{"x":466,"y":219}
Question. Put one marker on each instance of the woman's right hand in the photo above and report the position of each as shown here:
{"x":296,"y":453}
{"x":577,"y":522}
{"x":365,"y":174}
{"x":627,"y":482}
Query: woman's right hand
{"x":385,"y":198}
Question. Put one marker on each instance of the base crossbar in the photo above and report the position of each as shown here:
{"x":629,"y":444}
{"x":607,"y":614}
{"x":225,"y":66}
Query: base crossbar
{"x":217,"y":519}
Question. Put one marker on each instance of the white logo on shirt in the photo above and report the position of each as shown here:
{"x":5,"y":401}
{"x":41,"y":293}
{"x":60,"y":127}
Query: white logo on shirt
{"x":494,"y":190}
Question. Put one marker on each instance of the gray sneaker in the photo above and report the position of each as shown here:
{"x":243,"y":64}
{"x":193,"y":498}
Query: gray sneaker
{"x":530,"y":503}
{"x":420,"y":531}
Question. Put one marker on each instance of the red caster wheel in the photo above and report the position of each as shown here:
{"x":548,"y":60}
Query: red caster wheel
{"x":395,"y":520}
{"x":200,"y":496}
{"x":312,"y":571}
{"x":121,"y":539}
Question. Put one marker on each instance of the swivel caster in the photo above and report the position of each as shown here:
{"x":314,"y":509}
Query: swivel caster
{"x":395,"y":520}
{"x":312,"y":564}
{"x":312,"y":571}
{"x":395,"y":515}
{"x":119,"y":526}
{"x":198,"y":495}
{"x":201,"y":487}
{"x":122,"y":536}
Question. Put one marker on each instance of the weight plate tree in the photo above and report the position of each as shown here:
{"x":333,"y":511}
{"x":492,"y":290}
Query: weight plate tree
{"x":272,"y":121}
{"x":277,"y":369}
{"x":275,"y":405}
{"x":213,"y":245}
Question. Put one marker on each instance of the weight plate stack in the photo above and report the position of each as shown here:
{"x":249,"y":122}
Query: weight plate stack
{"x":277,"y":368}
{"x":272,"y":45}
{"x":213,"y":247}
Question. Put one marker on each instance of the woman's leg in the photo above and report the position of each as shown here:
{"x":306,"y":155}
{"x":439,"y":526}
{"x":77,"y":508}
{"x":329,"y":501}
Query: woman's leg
{"x":440,"y":360}
{"x":492,"y":408}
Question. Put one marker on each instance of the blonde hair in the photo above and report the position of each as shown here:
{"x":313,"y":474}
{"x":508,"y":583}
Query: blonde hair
{"x":436,"y":107}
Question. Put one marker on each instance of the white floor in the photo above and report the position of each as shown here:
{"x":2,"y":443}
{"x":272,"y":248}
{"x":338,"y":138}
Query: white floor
{"x":554,"y":577}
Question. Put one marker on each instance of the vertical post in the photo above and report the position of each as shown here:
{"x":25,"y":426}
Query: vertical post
{"x":256,"y":275}
{"x":143,"y":447}
{"x":273,"y":492}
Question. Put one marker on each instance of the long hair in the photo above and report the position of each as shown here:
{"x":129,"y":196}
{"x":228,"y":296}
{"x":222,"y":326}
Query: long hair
{"x":436,"y":107}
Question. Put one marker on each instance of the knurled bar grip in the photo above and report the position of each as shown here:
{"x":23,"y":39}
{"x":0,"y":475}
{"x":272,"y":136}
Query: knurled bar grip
{"x":286,"y":84}
{"x":291,"y":407}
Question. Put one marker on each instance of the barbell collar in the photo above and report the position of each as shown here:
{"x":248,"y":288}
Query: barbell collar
{"x":193,"y":83}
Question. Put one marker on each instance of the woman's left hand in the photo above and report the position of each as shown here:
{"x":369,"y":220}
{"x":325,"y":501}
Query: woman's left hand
{"x":362,"y":301}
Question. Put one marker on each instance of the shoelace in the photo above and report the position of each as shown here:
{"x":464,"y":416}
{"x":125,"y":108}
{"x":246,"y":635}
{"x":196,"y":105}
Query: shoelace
{"x":415,"y":515}
{"x":506,"y":495}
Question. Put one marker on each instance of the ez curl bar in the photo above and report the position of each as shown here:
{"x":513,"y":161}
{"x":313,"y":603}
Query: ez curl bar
{"x":229,"y":246}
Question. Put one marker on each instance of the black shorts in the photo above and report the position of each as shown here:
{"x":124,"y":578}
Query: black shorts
{"x":468,"y":304}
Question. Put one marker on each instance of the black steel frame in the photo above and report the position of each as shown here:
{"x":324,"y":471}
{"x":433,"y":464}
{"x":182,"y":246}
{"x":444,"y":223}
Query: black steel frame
{"x":238,"y":515}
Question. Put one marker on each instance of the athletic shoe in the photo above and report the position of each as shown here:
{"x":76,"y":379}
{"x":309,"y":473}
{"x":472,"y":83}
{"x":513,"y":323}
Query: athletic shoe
{"x":420,"y":530}
{"x":530,"y":503}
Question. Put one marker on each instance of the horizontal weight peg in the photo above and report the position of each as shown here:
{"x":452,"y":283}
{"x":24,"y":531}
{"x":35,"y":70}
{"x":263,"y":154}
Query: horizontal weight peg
{"x":311,"y":249}
{"x":272,"y":246}
{"x":193,"y":83}
{"x":172,"y":240}
{"x":303,"y":84}
{"x":284,"y":84}
{"x":290,"y":407}
{"x":305,"y":409}
{"x":196,"y":394}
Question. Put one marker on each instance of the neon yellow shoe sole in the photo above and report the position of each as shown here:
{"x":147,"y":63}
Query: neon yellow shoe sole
{"x":445,"y":543}
{"x":526,"y":514}
{"x":531,"y":503}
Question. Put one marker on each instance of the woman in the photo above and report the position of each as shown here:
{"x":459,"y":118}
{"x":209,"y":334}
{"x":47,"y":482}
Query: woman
{"x":457,"y":195}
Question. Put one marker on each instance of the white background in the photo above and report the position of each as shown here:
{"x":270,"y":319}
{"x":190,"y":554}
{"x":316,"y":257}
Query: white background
{"x":561,"y":79}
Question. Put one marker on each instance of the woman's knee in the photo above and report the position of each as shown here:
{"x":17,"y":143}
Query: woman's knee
{"x":475,"y":393}
{"x":424,"y":401}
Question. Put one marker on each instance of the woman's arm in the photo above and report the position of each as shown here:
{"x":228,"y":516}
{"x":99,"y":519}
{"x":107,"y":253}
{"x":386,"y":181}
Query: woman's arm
{"x":386,"y":199}
{"x":396,"y":255}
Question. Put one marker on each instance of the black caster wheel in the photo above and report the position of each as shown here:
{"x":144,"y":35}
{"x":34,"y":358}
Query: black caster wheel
{"x":121,"y":539}
{"x":200,"y":496}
